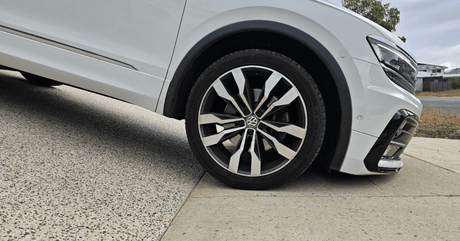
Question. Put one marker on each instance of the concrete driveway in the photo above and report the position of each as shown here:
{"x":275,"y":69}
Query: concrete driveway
{"x":74,"y":165}
{"x":422,"y":202}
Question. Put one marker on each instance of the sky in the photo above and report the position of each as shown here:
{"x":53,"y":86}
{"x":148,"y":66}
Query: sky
{"x":431,"y":27}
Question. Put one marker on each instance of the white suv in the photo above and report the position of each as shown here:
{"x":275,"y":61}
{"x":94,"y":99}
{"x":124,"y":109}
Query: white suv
{"x":266,"y":87}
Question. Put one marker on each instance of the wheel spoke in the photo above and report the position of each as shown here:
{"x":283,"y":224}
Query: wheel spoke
{"x":280,"y":148}
{"x":217,"y":119}
{"x":241,"y":82}
{"x":235,"y":158}
{"x":287,"y":99}
{"x":269,"y":85}
{"x":223,"y":93}
{"x":220,"y":137}
{"x":255,"y":156}
{"x":290,"y":129}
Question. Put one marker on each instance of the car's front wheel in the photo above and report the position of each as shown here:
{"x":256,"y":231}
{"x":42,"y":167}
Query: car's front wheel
{"x":255,"y":119}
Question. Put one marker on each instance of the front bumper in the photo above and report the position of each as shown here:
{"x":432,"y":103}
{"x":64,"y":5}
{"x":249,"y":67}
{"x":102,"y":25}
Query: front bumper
{"x":370,"y":155}
{"x":385,"y":155}
{"x":377,"y":102}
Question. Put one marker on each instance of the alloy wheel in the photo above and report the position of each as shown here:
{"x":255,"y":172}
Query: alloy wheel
{"x":252,"y":121}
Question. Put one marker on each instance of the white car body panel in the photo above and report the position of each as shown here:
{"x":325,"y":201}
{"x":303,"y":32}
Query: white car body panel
{"x":199,"y":22}
{"x":80,"y":71}
{"x":371,"y":97}
{"x":116,"y":34}
{"x":353,"y":163}
{"x":106,"y":29}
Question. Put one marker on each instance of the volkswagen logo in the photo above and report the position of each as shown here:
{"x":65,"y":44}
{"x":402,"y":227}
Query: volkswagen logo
{"x":252,"y":121}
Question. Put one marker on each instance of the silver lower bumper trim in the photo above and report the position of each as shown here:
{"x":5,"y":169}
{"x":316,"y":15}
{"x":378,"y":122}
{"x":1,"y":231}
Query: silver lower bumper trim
{"x":390,"y":165}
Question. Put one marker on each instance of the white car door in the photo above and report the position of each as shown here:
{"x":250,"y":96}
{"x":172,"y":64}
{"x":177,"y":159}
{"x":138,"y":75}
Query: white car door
{"x":133,"y":39}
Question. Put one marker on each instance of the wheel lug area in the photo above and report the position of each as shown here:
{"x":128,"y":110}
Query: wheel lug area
{"x":261,"y":126}
{"x":260,"y":112}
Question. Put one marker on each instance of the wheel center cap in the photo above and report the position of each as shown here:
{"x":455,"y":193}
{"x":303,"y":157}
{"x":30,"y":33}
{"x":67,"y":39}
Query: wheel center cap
{"x":252,"y":121}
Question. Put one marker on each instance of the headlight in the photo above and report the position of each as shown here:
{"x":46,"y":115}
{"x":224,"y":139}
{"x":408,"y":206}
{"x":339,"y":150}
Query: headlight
{"x":398,"y":65}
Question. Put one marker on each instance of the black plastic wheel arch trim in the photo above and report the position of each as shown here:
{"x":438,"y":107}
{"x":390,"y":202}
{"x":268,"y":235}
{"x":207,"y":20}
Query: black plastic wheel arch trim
{"x":290,"y":32}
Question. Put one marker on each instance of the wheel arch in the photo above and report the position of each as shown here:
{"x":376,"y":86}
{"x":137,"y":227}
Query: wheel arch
{"x":287,"y":40}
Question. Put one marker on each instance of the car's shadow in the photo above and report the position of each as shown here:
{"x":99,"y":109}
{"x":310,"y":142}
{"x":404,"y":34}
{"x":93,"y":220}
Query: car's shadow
{"x":65,"y":112}
{"x":339,"y":181}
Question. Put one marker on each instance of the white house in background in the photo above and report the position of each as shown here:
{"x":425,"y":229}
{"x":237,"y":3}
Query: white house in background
{"x":429,"y":73}
{"x":452,"y":73}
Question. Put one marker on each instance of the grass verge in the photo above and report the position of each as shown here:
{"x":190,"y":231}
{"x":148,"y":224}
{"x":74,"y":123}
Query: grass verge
{"x":438,"y":123}
{"x":448,"y":93}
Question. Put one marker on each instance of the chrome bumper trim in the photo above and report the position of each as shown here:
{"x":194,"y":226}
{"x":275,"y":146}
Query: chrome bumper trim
{"x":390,"y":165}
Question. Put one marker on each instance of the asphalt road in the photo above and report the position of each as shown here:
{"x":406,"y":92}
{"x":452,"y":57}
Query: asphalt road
{"x":75,"y":165}
{"x":447,"y":103}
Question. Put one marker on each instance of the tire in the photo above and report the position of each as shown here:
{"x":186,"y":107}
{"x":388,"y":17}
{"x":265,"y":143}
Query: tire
{"x":255,"y":119}
{"x":40,"y":81}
